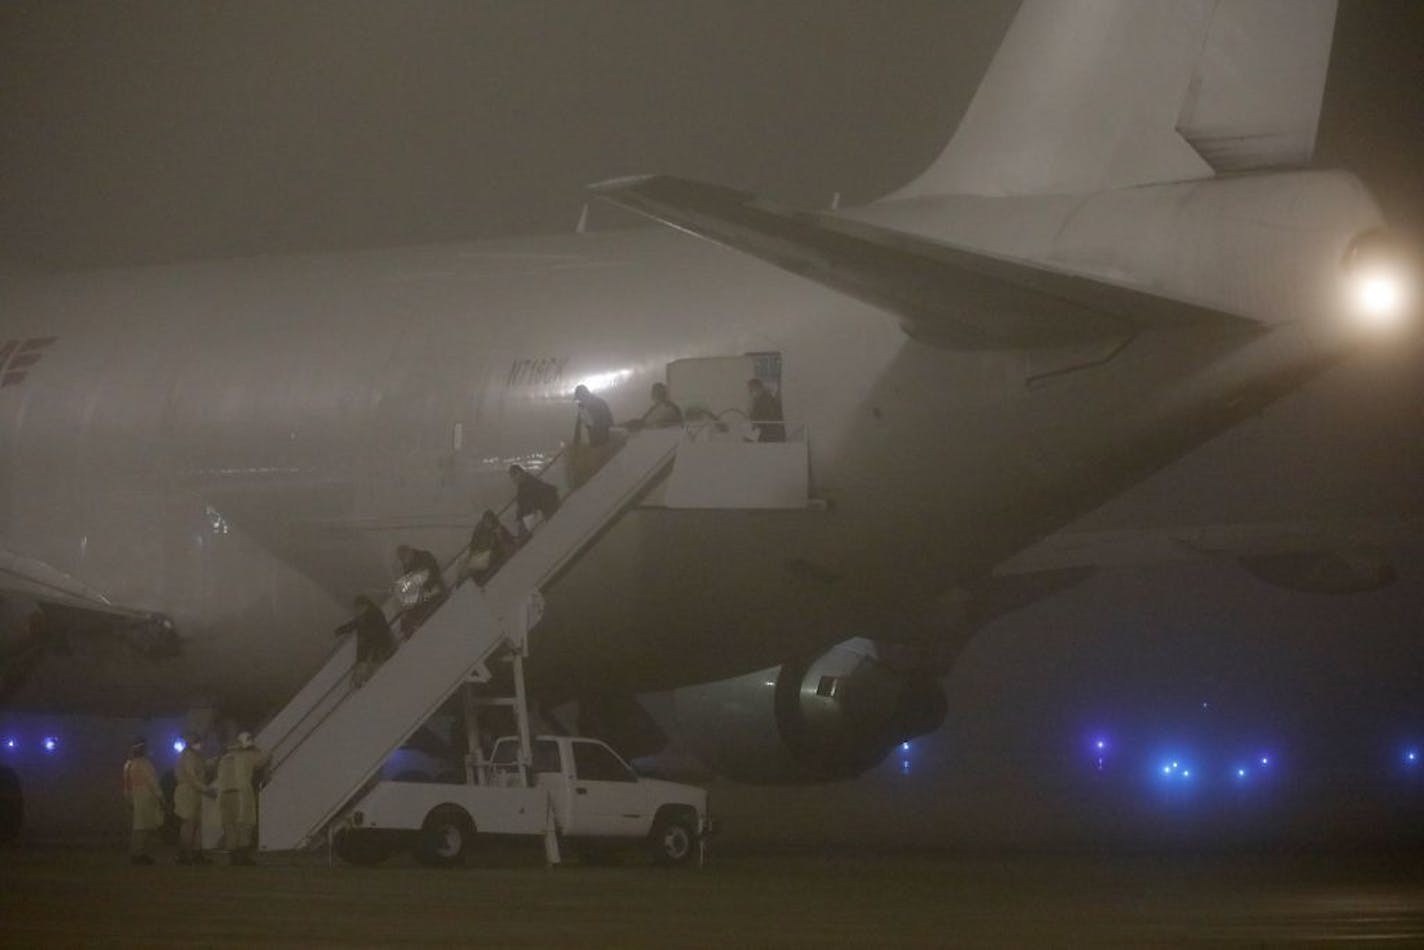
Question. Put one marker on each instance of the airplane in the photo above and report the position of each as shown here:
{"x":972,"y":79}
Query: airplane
{"x":1118,"y":255}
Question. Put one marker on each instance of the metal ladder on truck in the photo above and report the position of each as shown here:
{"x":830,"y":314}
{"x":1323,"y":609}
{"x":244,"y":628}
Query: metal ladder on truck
{"x":330,"y":741}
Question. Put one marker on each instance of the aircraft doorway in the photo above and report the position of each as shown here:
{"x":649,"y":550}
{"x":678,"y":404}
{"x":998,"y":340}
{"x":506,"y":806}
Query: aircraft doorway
{"x":715,"y":387}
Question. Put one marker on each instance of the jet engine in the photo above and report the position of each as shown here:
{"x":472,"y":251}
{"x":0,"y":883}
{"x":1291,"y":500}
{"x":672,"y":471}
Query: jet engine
{"x":830,"y":717}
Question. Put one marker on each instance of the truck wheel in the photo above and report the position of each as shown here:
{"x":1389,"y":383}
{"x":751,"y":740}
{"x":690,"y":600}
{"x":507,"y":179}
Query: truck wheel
{"x":445,"y":837}
{"x":673,"y":840}
{"x":12,"y":806}
{"x":361,"y":847}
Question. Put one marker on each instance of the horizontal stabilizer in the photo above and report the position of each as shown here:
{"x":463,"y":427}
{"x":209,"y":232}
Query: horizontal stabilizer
{"x":943,"y":295}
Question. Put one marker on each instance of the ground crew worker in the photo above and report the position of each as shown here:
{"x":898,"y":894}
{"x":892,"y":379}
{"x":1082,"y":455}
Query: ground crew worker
{"x":191,"y":774}
{"x":237,"y":791}
{"x":145,"y":798}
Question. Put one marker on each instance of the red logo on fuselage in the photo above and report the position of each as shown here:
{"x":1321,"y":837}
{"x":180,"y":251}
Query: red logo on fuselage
{"x":17,"y":356}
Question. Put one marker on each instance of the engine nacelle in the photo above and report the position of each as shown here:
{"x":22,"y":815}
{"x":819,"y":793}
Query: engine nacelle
{"x":831,"y":717}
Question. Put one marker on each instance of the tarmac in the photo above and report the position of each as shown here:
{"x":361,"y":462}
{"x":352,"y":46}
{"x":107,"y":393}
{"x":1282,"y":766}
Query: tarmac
{"x":61,"y":897}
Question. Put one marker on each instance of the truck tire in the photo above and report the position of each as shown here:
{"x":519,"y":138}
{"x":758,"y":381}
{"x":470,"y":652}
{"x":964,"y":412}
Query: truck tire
{"x":673,"y":840}
{"x":361,"y":847}
{"x":445,"y":838}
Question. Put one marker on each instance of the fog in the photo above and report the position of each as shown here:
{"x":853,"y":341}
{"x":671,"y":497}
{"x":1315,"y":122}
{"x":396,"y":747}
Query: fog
{"x":156,"y":131}
{"x":145,"y":132}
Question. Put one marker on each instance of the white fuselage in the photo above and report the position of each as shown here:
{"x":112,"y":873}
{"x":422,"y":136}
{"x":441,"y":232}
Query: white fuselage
{"x":242,"y":445}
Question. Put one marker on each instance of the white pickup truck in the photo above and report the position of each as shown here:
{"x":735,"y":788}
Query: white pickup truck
{"x":581,"y":786}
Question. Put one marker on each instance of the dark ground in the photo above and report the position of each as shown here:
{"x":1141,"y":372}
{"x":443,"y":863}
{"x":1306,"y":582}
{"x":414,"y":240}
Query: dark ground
{"x":59,"y":897}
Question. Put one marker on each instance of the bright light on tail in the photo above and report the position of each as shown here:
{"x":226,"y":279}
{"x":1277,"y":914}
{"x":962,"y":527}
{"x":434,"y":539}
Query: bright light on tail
{"x":1381,"y":281}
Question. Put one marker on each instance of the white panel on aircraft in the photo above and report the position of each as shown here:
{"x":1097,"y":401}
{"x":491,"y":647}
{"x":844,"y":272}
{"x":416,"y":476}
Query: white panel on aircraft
{"x":736,"y":474}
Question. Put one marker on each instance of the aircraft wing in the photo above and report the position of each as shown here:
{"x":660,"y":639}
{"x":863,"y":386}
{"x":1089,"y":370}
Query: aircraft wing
{"x":34,"y":579}
{"x":943,"y":295}
{"x":72,"y":616}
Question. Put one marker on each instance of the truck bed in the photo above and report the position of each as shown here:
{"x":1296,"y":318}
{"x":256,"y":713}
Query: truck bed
{"x":495,"y":810}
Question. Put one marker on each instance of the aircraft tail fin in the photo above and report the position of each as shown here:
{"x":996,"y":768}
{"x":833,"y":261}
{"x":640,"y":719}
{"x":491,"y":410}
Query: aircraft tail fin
{"x":1087,"y":95}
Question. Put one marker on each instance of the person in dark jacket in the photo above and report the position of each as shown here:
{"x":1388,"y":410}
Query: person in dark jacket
{"x":595,"y":419}
{"x":532,"y":496}
{"x":374,"y":641}
{"x":491,"y":545}
{"x":593,"y":443}
{"x":765,"y":413}
{"x":421,"y":586}
{"x":662,"y":414}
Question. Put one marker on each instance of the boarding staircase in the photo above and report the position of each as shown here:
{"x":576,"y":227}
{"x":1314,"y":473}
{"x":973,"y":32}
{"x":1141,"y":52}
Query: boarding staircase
{"x":331,"y":740}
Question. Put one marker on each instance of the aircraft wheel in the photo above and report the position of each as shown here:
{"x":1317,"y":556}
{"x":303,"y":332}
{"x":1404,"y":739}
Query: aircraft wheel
{"x":12,"y":806}
{"x":673,"y":840}
{"x":445,"y":838}
{"x":361,"y":847}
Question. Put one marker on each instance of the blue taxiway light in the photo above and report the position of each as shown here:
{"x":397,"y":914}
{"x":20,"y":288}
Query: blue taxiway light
{"x":1176,"y":770}
{"x":50,"y":743}
{"x":179,"y":745}
{"x":12,"y":743}
{"x":904,"y":747}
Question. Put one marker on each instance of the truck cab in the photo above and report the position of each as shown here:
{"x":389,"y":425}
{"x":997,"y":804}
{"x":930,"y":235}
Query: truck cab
{"x":595,"y":794}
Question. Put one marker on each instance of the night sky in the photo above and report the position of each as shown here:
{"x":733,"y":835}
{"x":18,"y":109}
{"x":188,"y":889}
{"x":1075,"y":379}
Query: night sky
{"x":146,"y":132}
